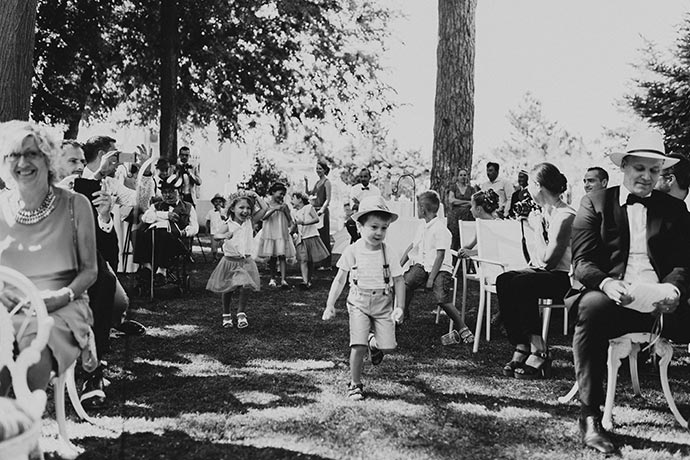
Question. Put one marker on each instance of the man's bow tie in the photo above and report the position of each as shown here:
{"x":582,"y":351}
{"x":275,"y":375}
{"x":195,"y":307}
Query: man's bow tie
{"x":365,"y":187}
{"x":632,"y":199}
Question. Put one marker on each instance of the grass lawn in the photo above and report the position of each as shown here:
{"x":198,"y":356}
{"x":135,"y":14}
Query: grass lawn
{"x":191,"y":389}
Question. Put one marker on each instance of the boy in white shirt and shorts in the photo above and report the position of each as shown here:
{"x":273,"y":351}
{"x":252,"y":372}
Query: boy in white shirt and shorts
{"x":376,"y":285}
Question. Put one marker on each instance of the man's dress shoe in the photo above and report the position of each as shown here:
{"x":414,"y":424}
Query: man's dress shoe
{"x":594,"y":435}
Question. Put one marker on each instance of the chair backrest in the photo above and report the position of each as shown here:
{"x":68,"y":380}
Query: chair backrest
{"x":500,"y":241}
{"x":13,"y":324}
{"x":468,"y":230}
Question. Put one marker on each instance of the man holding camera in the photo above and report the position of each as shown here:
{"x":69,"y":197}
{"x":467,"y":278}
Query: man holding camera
{"x":520,"y":194}
{"x":503,"y":188}
{"x":189,"y":174}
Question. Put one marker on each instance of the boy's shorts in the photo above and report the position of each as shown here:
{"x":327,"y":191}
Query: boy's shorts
{"x":416,"y":277}
{"x":370,"y":310}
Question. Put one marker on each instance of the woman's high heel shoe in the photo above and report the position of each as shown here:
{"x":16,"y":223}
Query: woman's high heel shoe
{"x":509,"y":368}
{"x":535,"y":370}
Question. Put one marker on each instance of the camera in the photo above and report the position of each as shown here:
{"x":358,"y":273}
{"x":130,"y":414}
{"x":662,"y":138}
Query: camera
{"x":524,"y":207}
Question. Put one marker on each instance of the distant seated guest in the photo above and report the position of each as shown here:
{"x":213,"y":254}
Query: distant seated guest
{"x":675,"y":180}
{"x":519,"y":291}
{"x":484,"y":207}
{"x":169,"y":221}
{"x":596,"y":178}
{"x":350,"y":224}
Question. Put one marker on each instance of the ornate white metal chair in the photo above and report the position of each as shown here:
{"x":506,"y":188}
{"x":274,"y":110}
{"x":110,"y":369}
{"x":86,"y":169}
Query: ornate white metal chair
{"x":628,"y":345}
{"x":32,"y":403}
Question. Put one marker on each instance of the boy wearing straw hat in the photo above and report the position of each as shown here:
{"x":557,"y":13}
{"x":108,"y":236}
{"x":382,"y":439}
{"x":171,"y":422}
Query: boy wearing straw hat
{"x":632,"y":254}
{"x":376,"y":284}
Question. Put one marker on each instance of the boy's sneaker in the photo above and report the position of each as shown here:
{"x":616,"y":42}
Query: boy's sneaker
{"x":272,"y":283}
{"x":375,"y":355}
{"x":355,"y":391}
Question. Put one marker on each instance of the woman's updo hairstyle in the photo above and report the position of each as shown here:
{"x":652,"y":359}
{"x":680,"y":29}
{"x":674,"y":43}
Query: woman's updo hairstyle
{"x":549,"y":177}
{"x":324,"y":166}
{"x":487,"y":200}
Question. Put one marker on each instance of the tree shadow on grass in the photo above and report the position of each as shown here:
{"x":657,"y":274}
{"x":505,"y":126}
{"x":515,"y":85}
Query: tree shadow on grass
{"x":178,"y":445}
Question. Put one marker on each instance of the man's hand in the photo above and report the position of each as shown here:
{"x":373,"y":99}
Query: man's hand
{"x":103,"y":203}
{"x":397,"y":315}
{"x":9,"y":299}
{"x":54,"y":299}
{"x":328,"y":313}
{"x":105,"y":159}
{"x":617,"y":291}
{"x":670,"y":302}
{"x":173,"y":216}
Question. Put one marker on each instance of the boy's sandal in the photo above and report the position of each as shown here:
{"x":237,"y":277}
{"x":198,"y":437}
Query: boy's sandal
{"x":227,"y":321}
{"x":242,"y":321}
{"x":466,"y":335}
{"x":355,"y":391}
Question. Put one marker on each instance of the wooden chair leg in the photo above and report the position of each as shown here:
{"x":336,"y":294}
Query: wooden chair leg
{"x":665,"y":352}
{"x":545,"y":323}
{"x":488,"y":316}
{"x":632,"y":362}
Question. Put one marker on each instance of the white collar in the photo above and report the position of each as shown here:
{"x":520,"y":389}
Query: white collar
{"x":431,"y":222}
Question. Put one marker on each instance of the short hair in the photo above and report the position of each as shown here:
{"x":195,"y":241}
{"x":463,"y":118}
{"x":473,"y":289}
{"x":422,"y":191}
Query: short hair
{"x":601,"y":172}
{"x":324,"y":166}
{"x":162,"y":163}
{"x":383,"y":215}
{"x":429,"y":201}
{"x":494,"y":164}
{"x":184,"y":147}
{"x":275,"y":187}
{"x":12,"y":136}
{"x":486,"y":199}
{"x":681,"y":170}
{"x":72,"y":143}
{"x":302,"y":197}
{"x":94,"y":145}
{"x":550,"y":177}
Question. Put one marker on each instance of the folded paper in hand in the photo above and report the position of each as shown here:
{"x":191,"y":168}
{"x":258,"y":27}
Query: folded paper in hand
{"x":645,"y":295}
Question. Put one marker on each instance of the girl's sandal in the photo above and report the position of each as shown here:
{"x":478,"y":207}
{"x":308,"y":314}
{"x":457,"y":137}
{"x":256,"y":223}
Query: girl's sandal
{"x":242,"y":321}
{"x":509,"y":368}
{"x":466,"y":335}
{"x":227,"y":321}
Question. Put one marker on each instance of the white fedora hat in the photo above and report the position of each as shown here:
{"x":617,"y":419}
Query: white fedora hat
{"x":373,"y":203}
{"x":646,"y":144}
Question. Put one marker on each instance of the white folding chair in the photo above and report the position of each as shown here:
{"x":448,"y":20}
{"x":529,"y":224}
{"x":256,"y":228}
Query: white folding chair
{"x":32,"y":403}
{"x":628,"y":345}
{"x":499,"y":249}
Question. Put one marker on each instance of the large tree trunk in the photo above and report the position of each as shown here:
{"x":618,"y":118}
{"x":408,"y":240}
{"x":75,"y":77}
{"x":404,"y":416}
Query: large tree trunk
{"x":169,"y":53}
{"x":17,"y":25}
{"x":454,"y":105}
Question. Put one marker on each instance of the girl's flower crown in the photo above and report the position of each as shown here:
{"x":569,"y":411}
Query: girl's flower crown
{"x":242,"y":194}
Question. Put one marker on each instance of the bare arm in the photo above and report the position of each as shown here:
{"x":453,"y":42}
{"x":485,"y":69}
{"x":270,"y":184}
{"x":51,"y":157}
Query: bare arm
{"x":324,"y":206}
{"x":333,"y":294}
{"x":399,"y":286}
{"x":438,"y":261}
{"x":405,"y":256}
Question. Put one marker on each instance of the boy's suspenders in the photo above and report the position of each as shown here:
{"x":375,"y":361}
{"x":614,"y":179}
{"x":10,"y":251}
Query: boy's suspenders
{"x":386,"y":271}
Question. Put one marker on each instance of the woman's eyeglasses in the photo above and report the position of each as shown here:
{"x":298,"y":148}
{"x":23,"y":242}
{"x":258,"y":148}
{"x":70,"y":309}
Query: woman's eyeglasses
{"x":28,"y":155}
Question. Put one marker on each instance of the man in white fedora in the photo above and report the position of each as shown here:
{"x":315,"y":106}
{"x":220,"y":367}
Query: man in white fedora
{"x":628,"y":242}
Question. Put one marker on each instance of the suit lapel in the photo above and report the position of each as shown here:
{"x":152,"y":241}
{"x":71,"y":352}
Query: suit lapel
{"x":620,"y":215}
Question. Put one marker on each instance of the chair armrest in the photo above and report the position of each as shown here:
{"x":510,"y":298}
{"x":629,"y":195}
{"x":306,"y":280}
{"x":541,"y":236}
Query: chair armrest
{"x":490,"y":262}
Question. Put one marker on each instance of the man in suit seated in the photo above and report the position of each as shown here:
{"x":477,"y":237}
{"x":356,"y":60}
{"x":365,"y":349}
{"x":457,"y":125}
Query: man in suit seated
{"x":171,"y":220}
{"x":629,"y":242}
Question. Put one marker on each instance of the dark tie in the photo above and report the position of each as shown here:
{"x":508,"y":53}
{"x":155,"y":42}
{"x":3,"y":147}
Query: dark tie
{"x":632,"y":199}
{"x":365,"y":187}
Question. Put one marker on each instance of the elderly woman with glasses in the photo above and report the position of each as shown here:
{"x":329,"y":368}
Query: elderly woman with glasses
{"x":46,"y":233}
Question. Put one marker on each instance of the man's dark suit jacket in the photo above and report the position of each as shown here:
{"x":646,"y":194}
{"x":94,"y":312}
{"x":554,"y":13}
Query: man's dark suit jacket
{"x":601,"y":239}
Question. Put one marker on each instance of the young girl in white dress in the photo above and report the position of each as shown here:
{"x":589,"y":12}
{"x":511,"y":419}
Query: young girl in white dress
{"x":275,"y":241}
{"x":237,"y":271}
{"x":310,"y":249}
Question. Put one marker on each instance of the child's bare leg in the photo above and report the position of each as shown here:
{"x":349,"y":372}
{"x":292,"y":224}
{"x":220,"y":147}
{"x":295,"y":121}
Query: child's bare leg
{"x":244,"y":298}
{"x":357,"y":354}
{"x":227,"y":298}
{"x":304,"y":269}
{"x":454,"y":314}
{"x":283,"y":269}
{"x":310,"y":271}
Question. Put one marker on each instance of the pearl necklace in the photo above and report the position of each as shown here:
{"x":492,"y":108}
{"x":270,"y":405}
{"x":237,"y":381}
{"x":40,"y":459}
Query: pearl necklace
{"x":33,"y":216}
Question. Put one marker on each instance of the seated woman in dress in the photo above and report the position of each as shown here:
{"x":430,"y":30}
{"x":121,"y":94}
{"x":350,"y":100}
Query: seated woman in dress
{"x":484,"y":206}
{"x":519,"y":291}
{"x":48,"y":234}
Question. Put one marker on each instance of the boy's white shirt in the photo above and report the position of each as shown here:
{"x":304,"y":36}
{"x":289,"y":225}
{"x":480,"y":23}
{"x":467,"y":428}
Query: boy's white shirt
{"x":218,"y":225}
{"x":430,"y":237}
{"x":369,"y":264}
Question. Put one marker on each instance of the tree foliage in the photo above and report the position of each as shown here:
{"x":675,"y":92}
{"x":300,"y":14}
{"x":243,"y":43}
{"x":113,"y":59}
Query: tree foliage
{"x":263,"y":174}
{"x":663,"y":98}
{"x":297,"y":60}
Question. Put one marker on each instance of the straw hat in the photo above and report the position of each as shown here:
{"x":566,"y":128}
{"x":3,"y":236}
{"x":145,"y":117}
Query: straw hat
{"x":645,"y":144}
{"x":373,"y":203}
{"x":218,"y":196}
